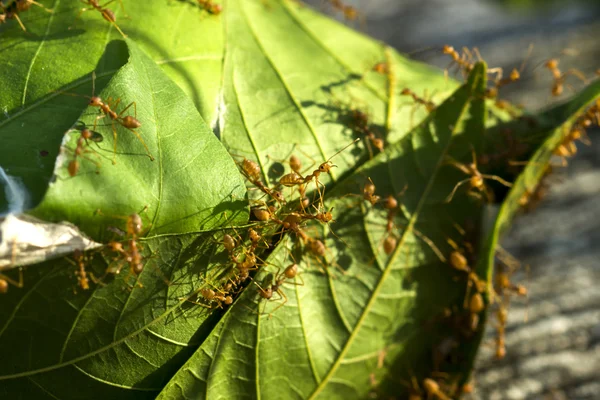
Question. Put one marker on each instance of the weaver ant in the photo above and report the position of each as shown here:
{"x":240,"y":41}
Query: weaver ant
{"x":131,"y":251}
{"x":82,"y":148}
{"x":499,"y":81}
{"x":251,"y":171}
{"x":82,"y":276}
{"x":107,"y":14}
{"x":350,"y":13}
{"x":12,"y":10}
{"x":559,"y":77}
{"x":431,"y":388}
{"x":106,"y":108}
{"x":295,"y":179}
{"x":429,"y":105}
{"x":272,"y":283}
{"x":211,"y":7}
{"x":476,"y":179}
{"x":459,"y":262}
{"x":463,"y":61}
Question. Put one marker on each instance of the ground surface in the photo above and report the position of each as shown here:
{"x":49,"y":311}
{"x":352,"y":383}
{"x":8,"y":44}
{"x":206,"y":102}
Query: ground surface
{"x":556,"y":353}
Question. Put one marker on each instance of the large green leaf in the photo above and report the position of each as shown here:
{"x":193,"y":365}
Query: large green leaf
{"x":325,"y":341}
{"x":273,"y":78}
{"x":189,"y":187}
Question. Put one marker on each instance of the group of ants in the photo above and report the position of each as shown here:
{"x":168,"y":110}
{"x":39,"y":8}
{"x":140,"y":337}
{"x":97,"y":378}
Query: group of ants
{"x":243,"y":257}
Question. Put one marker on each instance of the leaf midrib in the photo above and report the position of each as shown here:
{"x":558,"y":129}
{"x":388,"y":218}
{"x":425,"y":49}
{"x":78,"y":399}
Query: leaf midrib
{"x":390,"y":262}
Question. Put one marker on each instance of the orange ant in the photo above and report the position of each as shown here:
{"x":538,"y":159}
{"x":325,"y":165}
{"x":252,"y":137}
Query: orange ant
{"x":349,"y":12}
{"x":16,"y":7}
{"x":271,"y":284}
{"x":476,"y":179}
{"x":211,"y":7}
{"x":360,"y":124}
{"x":559,"y":77}
{"x":431,"y":388}
{"x":80,"y":262}
{"x":213,"y":298}
{"x":499,"y":82}
{"x":107,"y":14}
{"x":459,"y":262}
{"x":463,"y":61}
{"x":251,"y":171}
{"x":80,"y":150}
{"x":369,"y":192}
{"x":131,"y":251}
{"x":295,"y":179}
{"x":429,"y":105}
{"x":128,"y":122}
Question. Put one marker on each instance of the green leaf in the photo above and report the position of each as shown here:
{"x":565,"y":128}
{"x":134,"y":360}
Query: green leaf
{"x":114,"y":340}
{"x":327,"y":337}
{"x":189,"y":187}
{"x":58,"y":53}
{"x":273,"y":94}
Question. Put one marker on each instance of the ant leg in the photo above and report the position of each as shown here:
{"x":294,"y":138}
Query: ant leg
{"x":18,"y":283}
{"x":431,"y":245}
{"x":119,"y":29}
{"x":143,"y":143}
{"x":79,"y":16}
{"x":577,"y":74}
{"x":126,"y":108}
{"x":114,"y":160}
{"x":20,"y":22}
{"x":459,"y":184}
{"x":497,"y":179}
{"x":283,"y":297}
{"x":41,"y":5}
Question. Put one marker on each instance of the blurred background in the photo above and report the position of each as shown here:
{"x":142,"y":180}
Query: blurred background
{"x":555,"y":353}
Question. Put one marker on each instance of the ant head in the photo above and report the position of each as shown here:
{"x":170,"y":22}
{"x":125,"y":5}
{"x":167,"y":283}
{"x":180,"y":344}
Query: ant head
{"x":491,"y":92}
{"x":207,"y":293}
{"x":447,"y":49}
{"x":369,"y":188}
{"x":326,"y":167}
{"x":405,"y":92}
{"x":95,"y":101}
{"x":515,"y":75}
{"x":253,"y":235}
{"x":116,"y":246}
{"x":551,"y":63}
{"x":278,"y":196}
